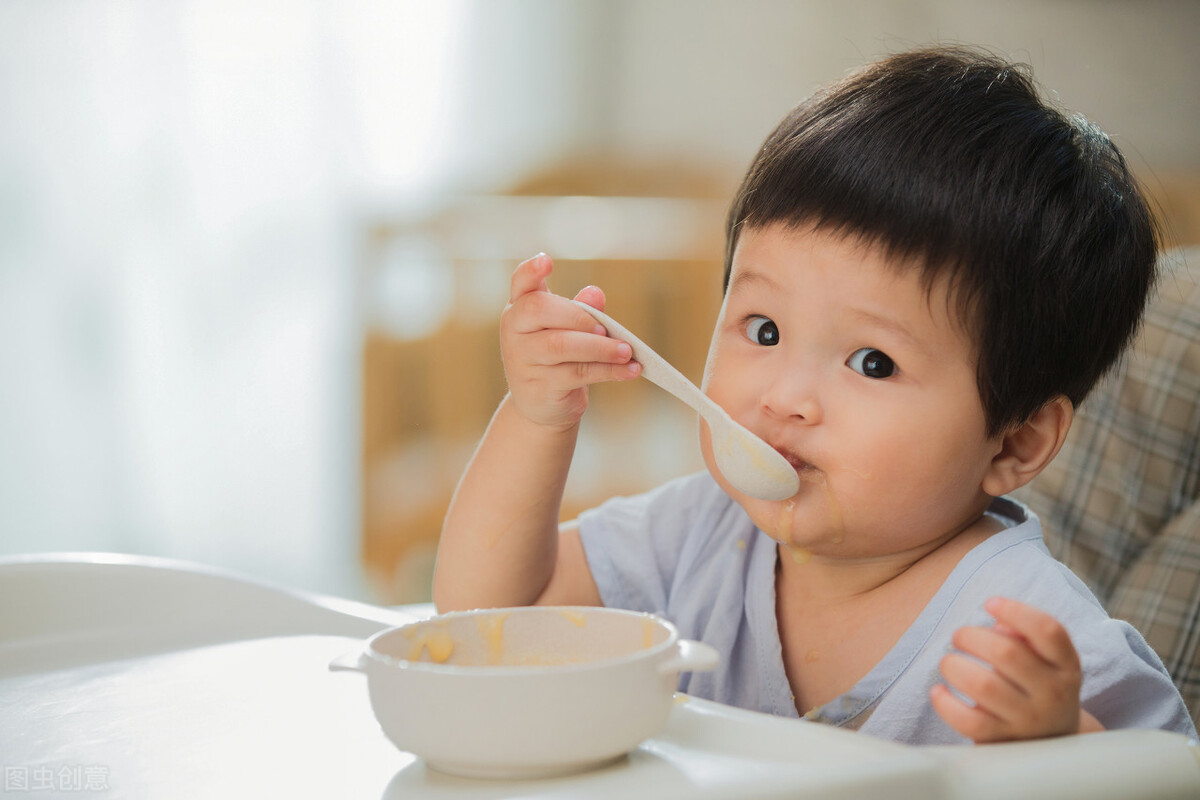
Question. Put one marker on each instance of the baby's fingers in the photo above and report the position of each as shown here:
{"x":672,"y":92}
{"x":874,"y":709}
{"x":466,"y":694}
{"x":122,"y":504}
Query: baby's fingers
{"x":538,"y":311}
{"x":593,"y":296}
{"x":555,"y":346}
{"x":530,"y":276}
{"x":973,"y":722}
{"x":1044,"y":634}
{"x":984,"y":686}
{"x":1023,"y":671}
{"x":1007,"y":653}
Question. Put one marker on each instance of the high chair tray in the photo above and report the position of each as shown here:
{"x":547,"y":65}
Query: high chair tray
{"x":138,"y":678}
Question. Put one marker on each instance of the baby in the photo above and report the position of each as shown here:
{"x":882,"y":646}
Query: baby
{"x":927,"y":270}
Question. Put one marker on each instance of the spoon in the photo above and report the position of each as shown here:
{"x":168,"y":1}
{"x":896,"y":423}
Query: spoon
{"x":750,"y":464}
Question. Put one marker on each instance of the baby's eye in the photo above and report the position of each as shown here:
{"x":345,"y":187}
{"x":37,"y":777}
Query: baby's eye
{"x":762,"y":331}
{"x":872,"y":363}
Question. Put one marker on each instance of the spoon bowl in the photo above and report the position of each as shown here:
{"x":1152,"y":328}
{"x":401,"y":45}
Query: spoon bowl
{"x":751,"y":465}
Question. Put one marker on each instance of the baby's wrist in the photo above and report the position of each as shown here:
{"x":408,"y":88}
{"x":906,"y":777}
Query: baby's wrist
{"x":547,"y":425}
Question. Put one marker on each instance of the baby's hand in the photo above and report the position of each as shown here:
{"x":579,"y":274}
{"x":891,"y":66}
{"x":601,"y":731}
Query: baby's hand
{"x":552,"y":349}
{"x":1031,"y":689}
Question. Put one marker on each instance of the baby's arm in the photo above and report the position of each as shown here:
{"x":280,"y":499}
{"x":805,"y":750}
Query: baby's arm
{"x":500,"y":543}
{"x":1027,"y":687}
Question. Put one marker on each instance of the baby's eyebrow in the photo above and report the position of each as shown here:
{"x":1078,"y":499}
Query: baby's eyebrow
{"x":890,"y":325}
{"x":749,"y":277}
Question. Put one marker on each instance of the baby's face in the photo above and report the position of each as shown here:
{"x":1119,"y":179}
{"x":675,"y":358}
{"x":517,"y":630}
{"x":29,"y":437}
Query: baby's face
{"x":866,"y":382}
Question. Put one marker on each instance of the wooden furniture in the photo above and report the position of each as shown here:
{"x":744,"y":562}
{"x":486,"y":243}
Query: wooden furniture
{"x":651,"y":238}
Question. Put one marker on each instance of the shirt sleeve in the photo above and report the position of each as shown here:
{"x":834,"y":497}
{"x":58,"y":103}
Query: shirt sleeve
{"x":633,"y":544}
{"x":1125,"y":683}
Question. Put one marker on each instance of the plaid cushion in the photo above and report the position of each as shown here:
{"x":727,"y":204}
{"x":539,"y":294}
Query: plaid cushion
{"x":1121,"y":502}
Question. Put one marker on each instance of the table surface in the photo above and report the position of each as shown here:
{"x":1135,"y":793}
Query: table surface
{"x":135,"y":708}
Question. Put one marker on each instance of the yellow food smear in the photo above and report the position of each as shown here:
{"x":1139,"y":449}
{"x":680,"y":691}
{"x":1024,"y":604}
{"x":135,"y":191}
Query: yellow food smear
{"x":835,"y":510}
{"x":783,"y":528}
{"x":577,"y":618}
{"x":491,"y":630}
{"x":647,"y":633}
{"x":438,"y":644}
{"x":799,"y":554}
{"x":784,"y":520}
{"x":837,"y":516}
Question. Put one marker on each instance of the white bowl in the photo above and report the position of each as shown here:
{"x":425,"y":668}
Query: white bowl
{"x":525,"y":692}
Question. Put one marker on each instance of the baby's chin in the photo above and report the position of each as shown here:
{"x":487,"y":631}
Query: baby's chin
{"x":777,"y":518}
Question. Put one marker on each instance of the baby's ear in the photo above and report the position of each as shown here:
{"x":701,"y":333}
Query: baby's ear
{"x":1028,"y":448}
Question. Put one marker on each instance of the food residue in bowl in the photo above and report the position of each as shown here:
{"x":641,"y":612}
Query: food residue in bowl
{"x":575,"y":616}
{"x":491,"y":630}
{"x":435,"y":643}
{"x":648,"y":627}
{"x":439,"y":645}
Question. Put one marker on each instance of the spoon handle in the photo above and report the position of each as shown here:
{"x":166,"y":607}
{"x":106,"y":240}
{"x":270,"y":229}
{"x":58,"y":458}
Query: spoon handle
{"x":750,"y":464}
{"x":656,"y":368}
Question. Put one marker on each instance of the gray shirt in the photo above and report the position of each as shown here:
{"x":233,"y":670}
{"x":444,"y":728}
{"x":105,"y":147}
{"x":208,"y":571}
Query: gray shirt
{"x":688,"y":552}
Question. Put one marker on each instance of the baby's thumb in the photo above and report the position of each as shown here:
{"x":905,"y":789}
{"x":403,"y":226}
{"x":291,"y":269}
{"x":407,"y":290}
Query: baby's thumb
{"x":592,"y":296}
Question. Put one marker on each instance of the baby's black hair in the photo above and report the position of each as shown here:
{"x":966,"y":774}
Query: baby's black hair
{"x":947,"y":157}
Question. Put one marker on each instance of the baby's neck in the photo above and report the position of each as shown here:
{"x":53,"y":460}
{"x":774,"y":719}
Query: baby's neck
{"x":826,"y":579}
{"x":838,"y":617}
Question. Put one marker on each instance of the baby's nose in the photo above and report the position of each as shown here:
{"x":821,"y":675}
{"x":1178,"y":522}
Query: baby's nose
{"x":792,"y":394}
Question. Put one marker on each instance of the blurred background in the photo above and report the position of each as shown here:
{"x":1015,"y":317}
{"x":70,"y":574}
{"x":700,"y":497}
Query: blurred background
{"x":252,"y":252}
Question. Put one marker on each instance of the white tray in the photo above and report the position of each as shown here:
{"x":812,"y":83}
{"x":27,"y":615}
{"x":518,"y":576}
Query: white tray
{"x":125,"y":677}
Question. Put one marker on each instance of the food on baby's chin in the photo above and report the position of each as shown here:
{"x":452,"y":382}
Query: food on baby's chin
{"x":783,"y":529}
{"x":783,"y":521}
{"x":838,"y":520}
{"x":785,"y":517}
{"x":799,"y":554}
{"x":783,"y":526}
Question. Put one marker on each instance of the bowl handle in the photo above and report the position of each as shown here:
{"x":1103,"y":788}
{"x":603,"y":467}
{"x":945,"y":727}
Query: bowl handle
{"x":692,"y":656}
{"x":354,"y":661}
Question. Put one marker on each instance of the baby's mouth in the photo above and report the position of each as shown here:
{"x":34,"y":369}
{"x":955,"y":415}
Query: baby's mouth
{"x":803,"y":467}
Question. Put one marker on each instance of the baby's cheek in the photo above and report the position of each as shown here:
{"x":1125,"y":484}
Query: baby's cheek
{"x":710,"y":463}
{"x":714,"y":348}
